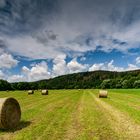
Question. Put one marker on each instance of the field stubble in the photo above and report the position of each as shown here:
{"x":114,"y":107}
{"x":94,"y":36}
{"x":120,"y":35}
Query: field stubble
{"x":77,"y":115}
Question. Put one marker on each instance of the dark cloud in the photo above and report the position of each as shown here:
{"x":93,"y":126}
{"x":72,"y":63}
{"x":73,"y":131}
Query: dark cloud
{"x":21,"y":16}
{"x":25,"y":15}
{"x":2,"y":44}
{"x":65,"y":25}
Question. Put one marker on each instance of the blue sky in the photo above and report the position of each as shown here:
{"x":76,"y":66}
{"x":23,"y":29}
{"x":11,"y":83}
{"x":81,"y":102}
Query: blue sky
{"x":41,"y":39}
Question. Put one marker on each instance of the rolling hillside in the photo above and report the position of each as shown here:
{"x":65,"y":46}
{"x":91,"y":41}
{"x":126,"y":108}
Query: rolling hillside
{"x":83,"y":80}
{"x":96,"y":79}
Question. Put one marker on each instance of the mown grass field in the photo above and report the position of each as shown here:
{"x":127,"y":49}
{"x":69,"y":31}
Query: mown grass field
{"x":76,"y":115}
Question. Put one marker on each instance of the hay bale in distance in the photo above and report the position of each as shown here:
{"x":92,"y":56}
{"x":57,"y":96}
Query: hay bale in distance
{"x":44,"y":92}
{"x":30,"y":92}
{"x":103,"y":93}
{"x":10,"y":113}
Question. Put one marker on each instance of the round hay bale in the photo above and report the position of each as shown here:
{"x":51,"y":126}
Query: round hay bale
{"x":44,"y":92}
{"x":103,"y":94}
{"x":10,"y":113}
{"x":30,"y":92}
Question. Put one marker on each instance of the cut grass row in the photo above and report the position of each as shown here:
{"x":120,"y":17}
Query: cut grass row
{"x":76,"y":115}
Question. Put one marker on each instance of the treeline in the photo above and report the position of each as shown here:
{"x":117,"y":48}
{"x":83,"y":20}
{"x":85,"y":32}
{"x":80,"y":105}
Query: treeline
{"x":84,"y":80}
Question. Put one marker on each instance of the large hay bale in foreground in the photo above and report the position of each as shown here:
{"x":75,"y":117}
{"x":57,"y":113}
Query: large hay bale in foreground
{"x":30,"y":92}
{"x":44,"y":92}
{"x":103,"y":93}
{"x":10,"y":113}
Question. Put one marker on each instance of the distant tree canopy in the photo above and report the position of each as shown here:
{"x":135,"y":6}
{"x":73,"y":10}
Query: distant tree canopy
{"x":84,"y":80}
{"x":4,"y":85}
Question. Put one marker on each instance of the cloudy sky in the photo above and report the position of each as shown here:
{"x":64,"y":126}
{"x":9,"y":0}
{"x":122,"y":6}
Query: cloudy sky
{"x":40,"y":39}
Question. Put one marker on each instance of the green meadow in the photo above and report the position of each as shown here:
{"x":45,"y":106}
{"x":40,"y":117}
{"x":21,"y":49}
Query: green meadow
{"x":76,"y":115}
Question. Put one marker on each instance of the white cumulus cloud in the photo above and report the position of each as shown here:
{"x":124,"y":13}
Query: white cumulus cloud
{"x":7,"y":61}
{"x":59,"y":65}
{"x":132,"y":67}
{"x":95,"y":67}
{"x":16,"y":78}
{"x":74,"y":66}
{"x":37,"y":72}
{"x":106,"y":66}
{"x":138,"y":60}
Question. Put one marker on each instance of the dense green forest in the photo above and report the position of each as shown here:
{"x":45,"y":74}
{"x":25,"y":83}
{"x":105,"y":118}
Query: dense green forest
{"x":83,"y":80}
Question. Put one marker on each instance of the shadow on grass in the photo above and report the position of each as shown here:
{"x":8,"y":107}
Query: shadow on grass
{"x":22,"y":125}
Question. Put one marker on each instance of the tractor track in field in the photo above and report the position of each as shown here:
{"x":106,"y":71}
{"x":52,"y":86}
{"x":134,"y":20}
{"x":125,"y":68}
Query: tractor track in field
{"x":121,"y":123}
{"x":55,"y":119}
{"x":76,"y":127}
